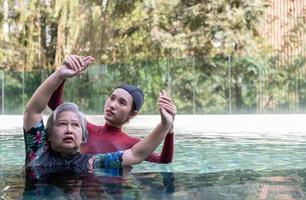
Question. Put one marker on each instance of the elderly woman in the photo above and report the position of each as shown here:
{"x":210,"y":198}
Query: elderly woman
{"x":58,"y":145}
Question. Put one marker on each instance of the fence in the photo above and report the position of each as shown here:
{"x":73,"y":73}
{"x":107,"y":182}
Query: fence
{"x":229,"y":85}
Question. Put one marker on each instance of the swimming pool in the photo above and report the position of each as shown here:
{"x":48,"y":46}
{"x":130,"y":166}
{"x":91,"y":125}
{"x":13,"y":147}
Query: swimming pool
{"x":216,"y":157}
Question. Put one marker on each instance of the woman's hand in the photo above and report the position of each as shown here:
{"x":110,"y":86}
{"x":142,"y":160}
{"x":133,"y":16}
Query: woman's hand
{"x":167,"y":109}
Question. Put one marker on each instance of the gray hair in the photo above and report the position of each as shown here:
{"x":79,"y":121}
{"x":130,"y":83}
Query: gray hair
{"x":68,"y":106}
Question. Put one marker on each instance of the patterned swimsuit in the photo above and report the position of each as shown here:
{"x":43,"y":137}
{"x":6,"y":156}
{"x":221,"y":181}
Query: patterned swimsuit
{"x":39,"y":154}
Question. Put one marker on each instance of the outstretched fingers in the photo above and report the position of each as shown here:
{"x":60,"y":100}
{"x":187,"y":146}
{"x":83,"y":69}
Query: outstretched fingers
{"x":87,"y":60}
{"x":71,"y":63}
{"x":170,"y":108}
{"x":78,"y":63}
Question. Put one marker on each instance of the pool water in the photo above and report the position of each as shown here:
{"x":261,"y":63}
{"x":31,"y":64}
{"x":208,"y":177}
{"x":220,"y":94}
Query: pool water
{"x":209,"y":163}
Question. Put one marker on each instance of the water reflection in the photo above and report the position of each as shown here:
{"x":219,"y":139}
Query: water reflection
{"x":99,"y":184}
{"x":235,"y":184}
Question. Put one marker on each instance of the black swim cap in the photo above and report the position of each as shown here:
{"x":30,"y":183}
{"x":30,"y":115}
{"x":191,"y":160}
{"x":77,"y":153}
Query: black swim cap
{"x":136,"y":94}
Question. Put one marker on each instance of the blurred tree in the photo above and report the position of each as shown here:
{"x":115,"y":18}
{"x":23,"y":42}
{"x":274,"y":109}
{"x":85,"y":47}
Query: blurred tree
{"x":183,"y":46}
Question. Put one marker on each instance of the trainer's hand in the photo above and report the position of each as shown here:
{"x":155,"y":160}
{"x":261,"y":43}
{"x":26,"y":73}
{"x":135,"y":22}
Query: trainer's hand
{"x":73,"y":65}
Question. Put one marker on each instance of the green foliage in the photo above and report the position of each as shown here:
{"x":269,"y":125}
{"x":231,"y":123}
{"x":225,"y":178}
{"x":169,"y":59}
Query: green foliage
{"x":185,"y":47}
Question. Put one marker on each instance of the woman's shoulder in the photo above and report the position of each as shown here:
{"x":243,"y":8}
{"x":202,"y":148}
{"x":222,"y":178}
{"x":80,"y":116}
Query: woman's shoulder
{"x":37,"y":127}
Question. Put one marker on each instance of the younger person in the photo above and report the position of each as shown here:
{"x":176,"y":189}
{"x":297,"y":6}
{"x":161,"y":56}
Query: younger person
{"x":123,"y":104}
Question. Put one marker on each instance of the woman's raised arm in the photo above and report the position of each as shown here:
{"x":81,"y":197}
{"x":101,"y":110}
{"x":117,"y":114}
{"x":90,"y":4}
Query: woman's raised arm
{"x":145,"y":147}
{"x":71,"y":66}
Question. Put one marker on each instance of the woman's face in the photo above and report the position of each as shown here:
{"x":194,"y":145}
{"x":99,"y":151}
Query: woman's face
{"x":117,"y":108}
{"x":66,"y":136}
